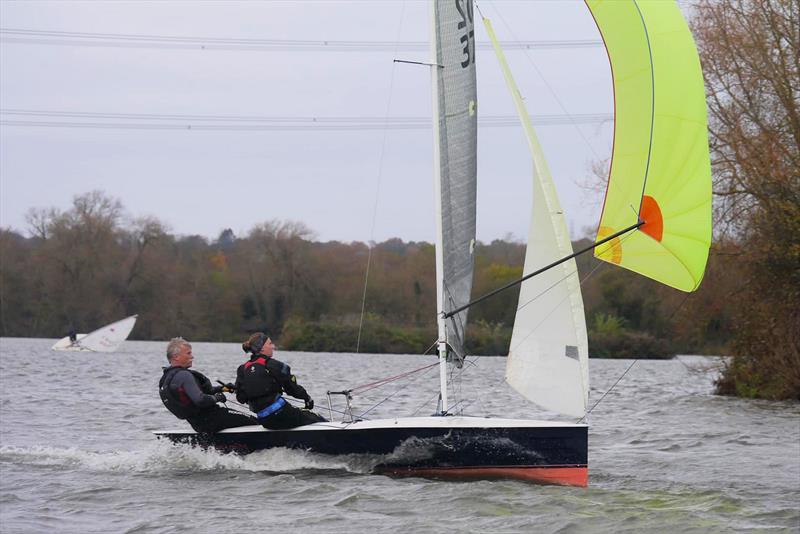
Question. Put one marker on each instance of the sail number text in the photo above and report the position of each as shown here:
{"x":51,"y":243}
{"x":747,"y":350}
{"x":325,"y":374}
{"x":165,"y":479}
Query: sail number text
{"x":465,"y":25}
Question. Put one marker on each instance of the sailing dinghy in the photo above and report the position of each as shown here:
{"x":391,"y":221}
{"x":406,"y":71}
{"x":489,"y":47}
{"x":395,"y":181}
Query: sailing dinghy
{"x":105,"y":339}
{"x":656,"y":221}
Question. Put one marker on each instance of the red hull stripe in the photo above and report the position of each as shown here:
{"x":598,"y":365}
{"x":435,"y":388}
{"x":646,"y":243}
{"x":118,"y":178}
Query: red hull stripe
{"x":561,"y":475}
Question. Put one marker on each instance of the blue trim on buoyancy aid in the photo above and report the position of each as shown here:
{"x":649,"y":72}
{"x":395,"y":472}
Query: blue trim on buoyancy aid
{"x":272,"y":408}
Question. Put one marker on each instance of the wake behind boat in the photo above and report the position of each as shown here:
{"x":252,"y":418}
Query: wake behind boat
{"x":656,"y":221}
{"x":105,"y":339}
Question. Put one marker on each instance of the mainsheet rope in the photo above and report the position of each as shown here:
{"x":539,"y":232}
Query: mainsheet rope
{"x":248,"y":412}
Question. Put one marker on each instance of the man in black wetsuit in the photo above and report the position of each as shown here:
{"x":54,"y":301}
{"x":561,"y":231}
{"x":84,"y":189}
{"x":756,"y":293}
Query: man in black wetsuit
{"x":189,"y":394}
{"x":260,"y":382}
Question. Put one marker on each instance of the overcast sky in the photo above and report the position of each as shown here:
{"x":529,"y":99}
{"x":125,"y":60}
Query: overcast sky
{"x":213,"y":154}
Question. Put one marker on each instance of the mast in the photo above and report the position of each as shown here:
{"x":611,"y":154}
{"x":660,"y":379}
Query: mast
{"x":437,"y":187}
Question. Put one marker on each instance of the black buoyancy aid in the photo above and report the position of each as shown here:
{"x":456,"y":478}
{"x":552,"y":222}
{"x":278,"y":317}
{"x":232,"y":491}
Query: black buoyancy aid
{"x":257,"y":385}
{"x":175,"y":399}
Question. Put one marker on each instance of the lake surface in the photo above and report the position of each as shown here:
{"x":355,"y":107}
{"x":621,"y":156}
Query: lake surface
{"x":77,"y":453}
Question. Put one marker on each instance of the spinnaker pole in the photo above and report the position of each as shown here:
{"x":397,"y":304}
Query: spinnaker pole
{"x":543,"y":269}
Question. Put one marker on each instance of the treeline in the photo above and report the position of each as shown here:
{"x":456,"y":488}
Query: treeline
{"x":91,"y":265}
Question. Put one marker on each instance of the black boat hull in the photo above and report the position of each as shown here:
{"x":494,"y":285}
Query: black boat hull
{"x":437,"y":447}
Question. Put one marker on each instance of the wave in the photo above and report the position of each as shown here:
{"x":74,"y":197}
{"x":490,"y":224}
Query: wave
{"x":161,"y":456}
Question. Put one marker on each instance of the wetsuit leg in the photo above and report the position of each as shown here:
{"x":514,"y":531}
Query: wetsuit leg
{"x":216,"y":419}
{"x":290,"y":417}
{"x":311,"y":417}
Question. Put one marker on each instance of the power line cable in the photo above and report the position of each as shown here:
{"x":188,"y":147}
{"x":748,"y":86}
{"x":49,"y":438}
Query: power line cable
{"x":133,"y":121}
{"x":121,"y":40}
{"x":547,"y":84}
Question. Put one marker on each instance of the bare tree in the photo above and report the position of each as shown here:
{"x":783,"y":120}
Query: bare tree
{"x":749,"y":50}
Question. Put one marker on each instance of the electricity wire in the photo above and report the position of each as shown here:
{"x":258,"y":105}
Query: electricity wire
{"x":152,"y":121}
{"x":121,"y":40}
{"x":547,"y":84}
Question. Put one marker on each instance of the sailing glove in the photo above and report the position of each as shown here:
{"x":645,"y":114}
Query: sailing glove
{"x":223,"y":388}
{"x":309,"y":403}
{"x":220,"y":397}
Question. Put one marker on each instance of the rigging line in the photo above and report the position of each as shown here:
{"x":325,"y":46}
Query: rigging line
{"x":435,"y":342}
{"x":607,"y":392}
{"x":549,"y":87}
{"x":295,"y":402}
{"x":401,"y":388}
{"x":436,"y":364}
{"x":459,"y":372}
{"x":425,"y":403}
{"x":248,"y":412}
{"x":372,"y":385}
{"x":678,"y":307}
{"x":377,"y":189}
{"x":458,"y":327}
{"x":437,"y":393}
{"x":455,"y":388}
{"x":545,"y":268}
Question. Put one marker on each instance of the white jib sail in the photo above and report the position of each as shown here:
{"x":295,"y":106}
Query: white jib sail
{"x":456,"y":127}
{"x":110,"y":337}
{"x":548,"y":357}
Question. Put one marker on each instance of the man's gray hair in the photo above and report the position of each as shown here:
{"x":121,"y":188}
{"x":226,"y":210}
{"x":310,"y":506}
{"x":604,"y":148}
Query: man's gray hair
{"x":174,"y":347}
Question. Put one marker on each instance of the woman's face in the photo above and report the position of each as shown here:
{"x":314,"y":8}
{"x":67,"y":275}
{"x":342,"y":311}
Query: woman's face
{"x":268,"y":347}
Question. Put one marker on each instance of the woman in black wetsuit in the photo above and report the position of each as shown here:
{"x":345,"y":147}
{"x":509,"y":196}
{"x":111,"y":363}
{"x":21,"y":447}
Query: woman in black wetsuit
{"x":260,"y":382}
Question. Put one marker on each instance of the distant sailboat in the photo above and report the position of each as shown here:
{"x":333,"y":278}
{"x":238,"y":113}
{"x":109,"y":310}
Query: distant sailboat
{"x":656,"y":221}
{"x":105,"y":339}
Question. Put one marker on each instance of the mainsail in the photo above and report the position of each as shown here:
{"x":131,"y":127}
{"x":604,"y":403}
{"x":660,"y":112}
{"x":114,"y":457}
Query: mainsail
{"x":455,"y":128}
{"x":660,"y":169}
{"x":548,"y":356}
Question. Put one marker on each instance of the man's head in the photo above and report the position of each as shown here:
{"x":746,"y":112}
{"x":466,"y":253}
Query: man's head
{"x":179,"y":353}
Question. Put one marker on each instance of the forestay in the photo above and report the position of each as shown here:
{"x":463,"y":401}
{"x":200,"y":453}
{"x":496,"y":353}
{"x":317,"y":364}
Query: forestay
{"x":455,"y":121}
{"x":548,"y":355}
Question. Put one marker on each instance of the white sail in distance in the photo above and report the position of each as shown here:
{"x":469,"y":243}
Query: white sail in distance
{"x":105,"y":339}
{"x":456,"y":127}
{"x":548,"y":359}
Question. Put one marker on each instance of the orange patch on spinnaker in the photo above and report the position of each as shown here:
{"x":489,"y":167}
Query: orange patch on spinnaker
{"x":653,"y":220}
{"x":610,"y":251}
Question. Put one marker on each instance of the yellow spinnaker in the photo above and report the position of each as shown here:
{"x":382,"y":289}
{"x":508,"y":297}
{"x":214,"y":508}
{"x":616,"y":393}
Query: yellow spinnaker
{"x":660,"y":168}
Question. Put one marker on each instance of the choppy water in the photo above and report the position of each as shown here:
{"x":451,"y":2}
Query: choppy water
{"x":76,"y":453}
